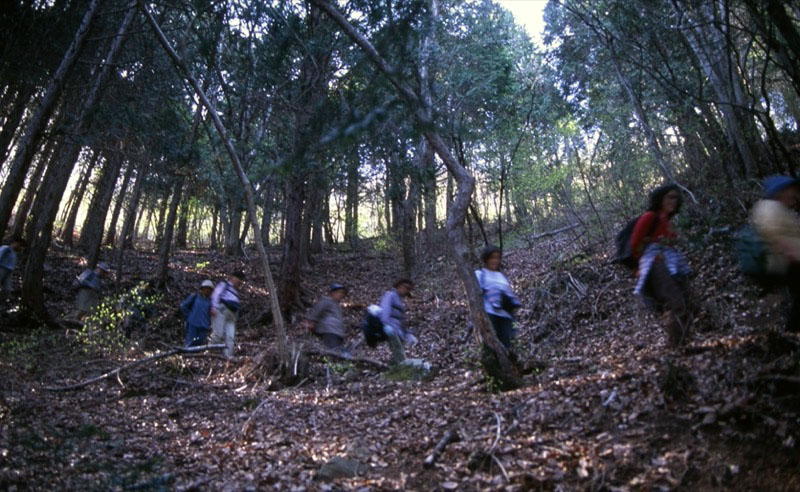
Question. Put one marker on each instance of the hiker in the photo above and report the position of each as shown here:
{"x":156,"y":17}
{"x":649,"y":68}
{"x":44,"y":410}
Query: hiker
{"x":663,"y":273}
{"x":499,"y":300}
{"x":8,"y":261}
{"x":90,"y":286}
{"x":393,"y":317}
{"x":778,"y":225}
{"x":325,"y":319}
{"x":225,"y":308}
{"x":196,"y":308}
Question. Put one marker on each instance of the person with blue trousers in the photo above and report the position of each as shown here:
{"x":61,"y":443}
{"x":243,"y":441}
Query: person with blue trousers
{"x":393,"y":317}
{"x":225,"y":307}
{"x":499,"y":300}
{"x":196,"y":308}
{"x":8,"y":261}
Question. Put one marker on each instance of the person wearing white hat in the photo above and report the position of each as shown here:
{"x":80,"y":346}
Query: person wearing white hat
{"x":196,"y":308}
{"x":90,"y":286}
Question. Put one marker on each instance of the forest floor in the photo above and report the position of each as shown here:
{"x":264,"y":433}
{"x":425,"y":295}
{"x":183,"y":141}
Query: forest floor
{"x":609,"y":407}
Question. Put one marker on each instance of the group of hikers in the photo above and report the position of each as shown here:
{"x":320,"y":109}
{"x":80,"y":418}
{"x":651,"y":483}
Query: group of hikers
{"x":647,"y":245}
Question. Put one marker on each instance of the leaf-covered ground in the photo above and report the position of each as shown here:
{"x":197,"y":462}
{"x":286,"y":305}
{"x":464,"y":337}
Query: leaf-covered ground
{"x":608,"y":406}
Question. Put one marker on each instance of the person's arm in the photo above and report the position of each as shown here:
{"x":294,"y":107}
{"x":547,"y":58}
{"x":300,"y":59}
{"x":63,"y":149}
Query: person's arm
{"x":215,"y":296}
{"x":641,"y":230}
{"x":186,"y":305}
{"x":386,"y":307}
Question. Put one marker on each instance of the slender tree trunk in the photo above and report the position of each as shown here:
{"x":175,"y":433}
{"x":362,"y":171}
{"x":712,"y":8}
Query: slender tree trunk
{"x":111,"y":236}
{"x":162,"y":216}
{"x":169,"y":228}
{"x":180,"y":236}
{"x":12,"y":122}
{"x":24,"y":208}
{"x":213,"y":238}
{"x":28,"y":143}
{"x":495,"y":358}
{"x":130,"y":217}
{"x":95,"y":223}
{"x":351,"y":202}
{"x":292,"y":244}
{"x":68,"y":231}
{"x":232,"y":244}
{"x":266,"y":217}
{"x":283,"y":348}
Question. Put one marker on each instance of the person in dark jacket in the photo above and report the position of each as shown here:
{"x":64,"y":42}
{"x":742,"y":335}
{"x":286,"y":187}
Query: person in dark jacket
{"x":8,"y":261}
{"x":196,"y":308}
{"x":663,"y":274}
{"x":499,"y":300}
{"x":90,"y":287}
{"x":393,"y":317}
{"x":325,"y":318}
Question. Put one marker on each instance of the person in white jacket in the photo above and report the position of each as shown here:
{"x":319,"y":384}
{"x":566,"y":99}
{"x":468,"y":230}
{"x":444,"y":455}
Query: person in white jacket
{"x":499,"y":300}
{"x":225,"y":307}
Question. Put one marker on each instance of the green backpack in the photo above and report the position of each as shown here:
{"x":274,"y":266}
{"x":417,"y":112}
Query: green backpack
{"x":750,"y":251}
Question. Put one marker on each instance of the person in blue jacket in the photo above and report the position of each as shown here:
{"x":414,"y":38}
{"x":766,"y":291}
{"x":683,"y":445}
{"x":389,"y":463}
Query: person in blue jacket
{"x":197,"y":310}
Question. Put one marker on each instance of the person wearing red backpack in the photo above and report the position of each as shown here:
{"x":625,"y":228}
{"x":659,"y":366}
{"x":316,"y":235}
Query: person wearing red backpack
{"x":663,"y":273}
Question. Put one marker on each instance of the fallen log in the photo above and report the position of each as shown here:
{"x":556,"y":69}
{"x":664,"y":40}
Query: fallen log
{"x":448,"y":437}
{"x":554,"y":232}
{"x":162,"y":355}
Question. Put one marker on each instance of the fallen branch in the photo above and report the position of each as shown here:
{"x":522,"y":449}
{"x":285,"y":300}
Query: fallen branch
{"x":331,"y":353}
{"x":162,"y":355}
{"x":449,"y":436}
{"x":553,"y":232}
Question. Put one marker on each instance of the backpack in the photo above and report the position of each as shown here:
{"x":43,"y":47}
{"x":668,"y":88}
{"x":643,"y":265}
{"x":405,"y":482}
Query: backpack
{"x":751,"y":252}
{"x":624,"y":254}
{"x":372,"y":326}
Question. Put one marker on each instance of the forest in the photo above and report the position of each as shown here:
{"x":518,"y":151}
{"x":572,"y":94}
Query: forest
{"x":201,"y":198}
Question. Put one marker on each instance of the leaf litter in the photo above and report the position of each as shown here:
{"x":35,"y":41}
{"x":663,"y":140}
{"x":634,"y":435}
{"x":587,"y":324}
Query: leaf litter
{"x":607,"y":405}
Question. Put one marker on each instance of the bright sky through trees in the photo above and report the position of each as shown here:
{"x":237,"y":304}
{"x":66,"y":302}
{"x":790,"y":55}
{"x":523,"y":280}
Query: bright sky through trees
{"x":528,"y":14}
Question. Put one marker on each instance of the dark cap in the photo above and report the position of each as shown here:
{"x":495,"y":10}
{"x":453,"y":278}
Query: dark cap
{"x":775,"y":184}
{"x":238,"y":274}
{"x":337,"y":286}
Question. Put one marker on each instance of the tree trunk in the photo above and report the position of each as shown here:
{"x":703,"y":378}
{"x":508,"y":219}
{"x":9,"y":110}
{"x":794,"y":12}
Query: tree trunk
{"x":24,"y":208}
{"x":28,"y":142}
{"x":12,"y":122}
{"x":351,"y":202}
{"x":495,"y":358}
{"x":180,"y":236}
{"x":266,"y":214}
{"x":232,"y":244}
{"x":283,"y":348}
{"x":169,"y":228}
{"x":68,"y":231}
{"x":111,"y":236}
{"x":213,"y":238}
{"x":95,"y":223}
{"x":130,"y":217}
{"x":292,"y":245}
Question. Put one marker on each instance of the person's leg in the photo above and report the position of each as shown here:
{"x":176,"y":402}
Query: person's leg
{"x":230,"y":334}
{"x":218,"y":326}
{"x":504,"y":329}
{"x":189,"y":335}
{"x":395,"y":344}
{"x":5,"y":284}
{"x":667,"y":292}
{"x":331,"y":341}
{"x":793,"y":320}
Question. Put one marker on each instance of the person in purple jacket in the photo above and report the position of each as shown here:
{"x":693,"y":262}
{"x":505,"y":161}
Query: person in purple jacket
{"x":196,"y":308}
{"x":225,"y":307}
